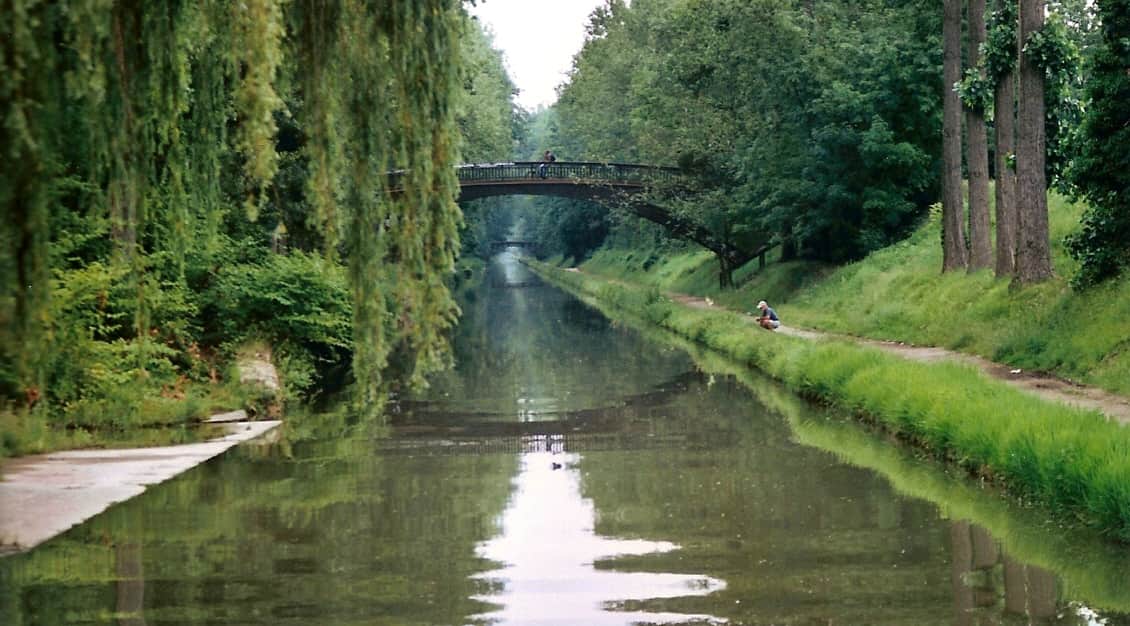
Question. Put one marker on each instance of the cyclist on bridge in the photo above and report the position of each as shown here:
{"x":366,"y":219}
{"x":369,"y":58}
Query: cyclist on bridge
{"x":547,"y":158}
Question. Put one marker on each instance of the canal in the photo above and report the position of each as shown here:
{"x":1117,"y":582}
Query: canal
{"x":571,"y":469}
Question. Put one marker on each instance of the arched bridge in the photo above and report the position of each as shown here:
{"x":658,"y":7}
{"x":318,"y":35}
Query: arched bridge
{"x":568,"y":179}
{"x":613,"y":184}
{"x":528,"y":246}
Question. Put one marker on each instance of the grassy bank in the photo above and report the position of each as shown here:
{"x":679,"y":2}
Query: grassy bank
{"x":136,"y":415}
{"x":899,"y":293}
{"x":1070,"y":460}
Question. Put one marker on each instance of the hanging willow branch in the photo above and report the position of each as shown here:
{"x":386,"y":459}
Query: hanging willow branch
{"x":257,"y":49}
{"x":132,"y":103}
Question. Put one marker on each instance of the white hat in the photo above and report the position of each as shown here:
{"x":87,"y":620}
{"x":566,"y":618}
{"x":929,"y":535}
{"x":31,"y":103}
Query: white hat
{"x":762,"y":305}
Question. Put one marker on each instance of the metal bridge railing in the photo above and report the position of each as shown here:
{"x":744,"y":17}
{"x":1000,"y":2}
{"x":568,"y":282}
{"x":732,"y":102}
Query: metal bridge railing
{"x":530,"y":171}
{"x":524,"y":171}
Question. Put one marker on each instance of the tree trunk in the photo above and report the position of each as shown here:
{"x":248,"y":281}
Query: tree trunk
{"x":1004,"y":103}
{"x":953,"y":237}
{"x":977,"y":145}
{"x":726,"y":268}
{"x":1033,"y":252}
{"x":788,"y":248}
{"x":1005,"y":118}
{"x":961,"y":561}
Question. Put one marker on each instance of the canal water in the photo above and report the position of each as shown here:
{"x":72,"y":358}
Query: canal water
{"x":571,"y":470}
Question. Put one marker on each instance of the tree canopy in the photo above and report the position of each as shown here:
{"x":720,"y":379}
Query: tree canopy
{"x":163,"y":138}
{"x":811,"y":123}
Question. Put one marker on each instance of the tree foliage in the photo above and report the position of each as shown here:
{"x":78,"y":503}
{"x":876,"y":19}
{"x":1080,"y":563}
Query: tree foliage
{"x":816,"y":123}
{"x":491,"y":126}
{"x":145,"y":137}
{"x":1102,"y":171}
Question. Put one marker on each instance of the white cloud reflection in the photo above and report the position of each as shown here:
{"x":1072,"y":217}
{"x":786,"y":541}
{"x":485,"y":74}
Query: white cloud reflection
{"x":548,"y":546}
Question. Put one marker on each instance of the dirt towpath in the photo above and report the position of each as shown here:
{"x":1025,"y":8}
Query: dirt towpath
{"x":1048,"y":387}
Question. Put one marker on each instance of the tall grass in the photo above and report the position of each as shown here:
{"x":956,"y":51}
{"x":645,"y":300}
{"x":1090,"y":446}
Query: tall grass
{"x":899,"y":293}
{"x":1069,"y":459}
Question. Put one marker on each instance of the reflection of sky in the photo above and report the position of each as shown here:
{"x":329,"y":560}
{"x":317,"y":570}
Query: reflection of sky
{"x":513,"y":272}
{"x":547,"y":548}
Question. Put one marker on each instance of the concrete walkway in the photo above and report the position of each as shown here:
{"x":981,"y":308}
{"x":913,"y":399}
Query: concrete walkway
{"x":44,"y":495}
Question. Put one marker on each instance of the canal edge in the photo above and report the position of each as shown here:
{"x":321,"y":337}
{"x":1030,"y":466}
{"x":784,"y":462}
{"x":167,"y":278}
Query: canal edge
{"x":44,"y":495}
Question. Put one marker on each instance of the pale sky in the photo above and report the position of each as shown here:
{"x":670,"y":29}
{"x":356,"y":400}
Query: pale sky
{"x":538,"y":39}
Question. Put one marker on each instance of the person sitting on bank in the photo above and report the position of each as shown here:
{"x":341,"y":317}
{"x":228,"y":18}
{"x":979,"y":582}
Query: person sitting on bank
{"x":768,"y":319}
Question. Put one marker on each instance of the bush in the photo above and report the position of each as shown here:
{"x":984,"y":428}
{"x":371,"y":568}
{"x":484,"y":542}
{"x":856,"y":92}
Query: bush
{"x":97,"y":369}
{"x":297,"y":303}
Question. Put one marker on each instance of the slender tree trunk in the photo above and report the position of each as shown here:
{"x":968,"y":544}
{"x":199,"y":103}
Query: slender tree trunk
{"x":726,"y":268}
{"x":1005,"y":126}
{"x":977,"y":157}
{"x":1033,"y":251}
{"x":953,"y":237}
{"x":788,"y":249}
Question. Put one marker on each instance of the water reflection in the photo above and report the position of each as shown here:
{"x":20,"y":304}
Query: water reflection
{"x":991,"y":587}
{"x":689,"y":487}
{"x":548,"y":548}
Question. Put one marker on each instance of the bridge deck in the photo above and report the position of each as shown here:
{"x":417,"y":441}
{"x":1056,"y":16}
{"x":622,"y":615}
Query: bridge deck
{"x":522,"y":172}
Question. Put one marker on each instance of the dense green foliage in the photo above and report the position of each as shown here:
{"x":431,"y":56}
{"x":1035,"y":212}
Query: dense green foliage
{"x":297,"y":303}
{"x":1102,"y":172}
{"x":815,"y":124}
{"x":161,"y":156}
{"x":1069,"y":459}
{"x":1057,"y":49}
{"x":491,"y":125}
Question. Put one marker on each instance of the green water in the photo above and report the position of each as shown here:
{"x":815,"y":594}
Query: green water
{"x":571,"y":470}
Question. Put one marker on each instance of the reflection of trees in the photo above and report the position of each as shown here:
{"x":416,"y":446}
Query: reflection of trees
{"x":131,"y":584}
{"x":796,"y":535}
{"x":537,"y":348}
{"x":337,"y":534}
{"x":1034,"y":552}
{"x":988,"y":585}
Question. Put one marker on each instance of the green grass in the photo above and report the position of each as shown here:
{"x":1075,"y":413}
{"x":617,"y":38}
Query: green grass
{"x":696,"y":272}
{"x":132,"y":416}
{"x":899,"y":293}
{"x":1071,"y":460}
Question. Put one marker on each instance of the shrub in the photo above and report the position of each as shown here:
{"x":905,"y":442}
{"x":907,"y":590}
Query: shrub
{"x":297,"y":303}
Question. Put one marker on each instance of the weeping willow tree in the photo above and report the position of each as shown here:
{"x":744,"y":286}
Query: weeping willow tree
{"x":133,"y":115}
